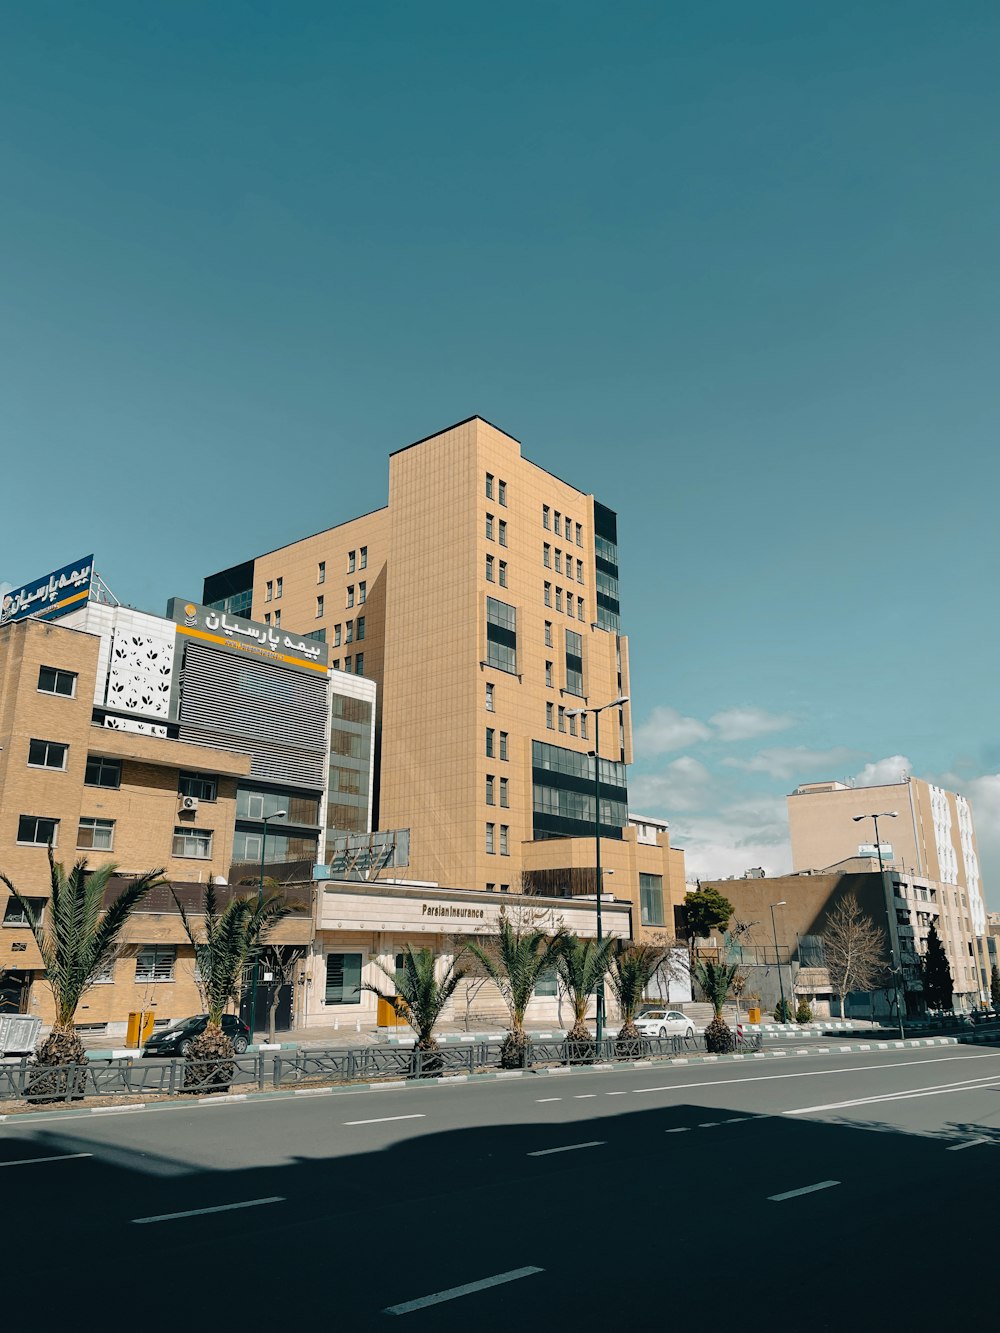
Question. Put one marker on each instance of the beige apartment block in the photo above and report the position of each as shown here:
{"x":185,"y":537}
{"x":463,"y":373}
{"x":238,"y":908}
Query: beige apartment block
{"x":103,"y":794}
{"x":930,"y":847}
{"x":476,"y":548}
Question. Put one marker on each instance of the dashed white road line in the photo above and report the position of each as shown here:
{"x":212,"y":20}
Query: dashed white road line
{"x":219,"y":1208}
{"x":806,"y":1189}
{"x":682,"y":1130}
{"x":35,"y":1161}
{"x":583,"y":1096}
{"x":539,"y":1100}
{"x":935,"y":1090}
{"x":569,"y":1147}
{"x":972,"y":1143}
{"x":383,"y":1119}
{"x":453,"y":1293}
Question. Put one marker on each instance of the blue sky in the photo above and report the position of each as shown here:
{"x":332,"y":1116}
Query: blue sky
{"x":731,"y":267}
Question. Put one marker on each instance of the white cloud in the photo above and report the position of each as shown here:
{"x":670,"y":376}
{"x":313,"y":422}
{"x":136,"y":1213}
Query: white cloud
{"x":883,"y":771}
{"x":683,"y":785}
{"x":739,"y":836}
{"x":743,"y":724}
{"x":796,"y":762}
{"x":984,"y":793}
{"x":665,"y":729}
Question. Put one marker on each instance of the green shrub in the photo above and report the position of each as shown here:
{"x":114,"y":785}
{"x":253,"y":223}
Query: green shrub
{"x":804,"y":1013}
{"x":783,"y":1011}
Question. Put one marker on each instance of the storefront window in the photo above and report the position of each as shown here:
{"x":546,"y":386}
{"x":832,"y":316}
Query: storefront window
{"x":343,"y":978}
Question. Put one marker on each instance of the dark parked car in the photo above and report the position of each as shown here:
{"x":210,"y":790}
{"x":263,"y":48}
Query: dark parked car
{"x":177,"y":1039}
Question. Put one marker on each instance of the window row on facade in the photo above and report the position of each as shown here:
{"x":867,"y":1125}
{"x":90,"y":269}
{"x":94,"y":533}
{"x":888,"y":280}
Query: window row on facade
{"x":547,"y":560}
{"x":100,"y":771}
{"x":496,"y":489}
{"x":492,"y":844}
{"x":580,"y":607}
{"x":562,"y":525}
{"x":99,"y":834}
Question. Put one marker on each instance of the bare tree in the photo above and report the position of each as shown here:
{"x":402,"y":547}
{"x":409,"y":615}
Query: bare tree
{"x":854,"y":947}
{"x":281,"y":960}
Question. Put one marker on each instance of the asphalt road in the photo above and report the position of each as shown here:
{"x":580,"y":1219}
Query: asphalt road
{"x":842,"y":1192}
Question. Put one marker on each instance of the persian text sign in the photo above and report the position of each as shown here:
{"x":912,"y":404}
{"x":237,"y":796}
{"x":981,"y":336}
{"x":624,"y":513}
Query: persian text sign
{"x":51,"y":596}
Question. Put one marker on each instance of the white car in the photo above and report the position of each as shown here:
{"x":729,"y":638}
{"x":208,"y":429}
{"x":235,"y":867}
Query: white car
{"x":664,"y":1023}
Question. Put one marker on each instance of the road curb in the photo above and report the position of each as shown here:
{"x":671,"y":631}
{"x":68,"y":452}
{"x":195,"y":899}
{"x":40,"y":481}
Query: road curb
{"x":448,"y":1080}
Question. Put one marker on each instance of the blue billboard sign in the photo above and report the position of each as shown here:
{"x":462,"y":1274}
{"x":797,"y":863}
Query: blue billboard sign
{"x":50,"y":596}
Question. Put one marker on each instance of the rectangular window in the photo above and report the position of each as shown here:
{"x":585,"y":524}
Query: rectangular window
{"x":343,"y":978}
{"x":321,"y":572}
{"x":362,"y":592}
{"x":337,"y":632}
{"x":490,"y":835}
{"x":501,"y":635}
{"x":489,"y":569}
{"x":335,"y":664}
{"x":557,"y":524}
{"x":504,"y":792}
{"x":47,"y":754}
{"x":277,"y":619}
{"x":503,"y":746}
{"x":562,"y":718}
{"x":267,"y":617}
{"x":503,"y":532}
{"x":347,"y":664}
{"x":651,"y":899}
{"x":491,"y":888}
{"x":155,"y":962}
{"x":489,"y":485}
{"x":278,"y":582}
{"x":319,"y":606}
{"x":574,"y":662}
{"x":583,"y":726}
{"x":15,"y":915}
{"x":193,"y":784}
{"x":352,"y":561}
{"x":502,"y":493}
{"x":268,"y":590}
{"x":361,"y":627}
{"x":548,"y":674}
{"x":489,"y":527}
{"x":359,"y":664}
{"x":194,"y":843}
{"x":579,"y":608}
{"x":489,"y":697}
{"x":53,"y":681}
{"x":548,"y":594}
{"x":350,"y":594}
{"x":350,"y":632}
{"x":579,"y":534}
{"x":491,"y":737}
{"x":491,"y":783}
{"x":503,"y":573}
{"x":579,"y":571}
{"x":546,"y":555}
{"x":548,"y":633}
{"x":550,"y":716}
{"x":364,"y":557}
{"x":505,"y":840}
{"x":36,"y":831}
{"x":546,"y":517}
{"x":558,"y":561}
{"x":572,"y":724}
{"x":96,"y":833}
{"x":547,"y":984}
{"x":558,"y":599}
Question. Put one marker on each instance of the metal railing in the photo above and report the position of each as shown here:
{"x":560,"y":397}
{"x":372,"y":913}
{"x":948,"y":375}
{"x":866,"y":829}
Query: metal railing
{"x":22,"y":1080}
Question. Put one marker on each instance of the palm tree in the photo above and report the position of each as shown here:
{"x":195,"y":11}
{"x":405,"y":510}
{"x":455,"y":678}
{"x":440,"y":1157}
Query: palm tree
{"x":633,"y":966}
{"x":715,"y":979}
{"x":228,"y":941}
{"x":418,"y":995}
{"x":515,"y":959}
{"x":77,"y":941}
{"x":582,"y":966}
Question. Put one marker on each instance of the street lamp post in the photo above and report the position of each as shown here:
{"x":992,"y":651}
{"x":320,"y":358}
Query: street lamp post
{"x":578,"y":712}
{"x":277,"y":814}
{"x":898,"y":976}
{"x":777,"y":956}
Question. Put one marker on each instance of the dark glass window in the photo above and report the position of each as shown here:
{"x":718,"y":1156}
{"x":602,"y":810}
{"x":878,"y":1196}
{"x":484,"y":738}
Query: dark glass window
{"x":501,"y":635}
{"x":53,"y":681}
{"x":47,"y":754}
{"x":343,"y":978}
{"x":39,"y":832}
{"x":574,"y":662}
{"x":102,"y":772}
{"x":651,"y":899}
{"x":193,"y":784}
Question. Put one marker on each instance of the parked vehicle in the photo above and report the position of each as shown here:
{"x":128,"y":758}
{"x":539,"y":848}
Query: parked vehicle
{"x":664,"y":1023}
{"x":176,"y":1040}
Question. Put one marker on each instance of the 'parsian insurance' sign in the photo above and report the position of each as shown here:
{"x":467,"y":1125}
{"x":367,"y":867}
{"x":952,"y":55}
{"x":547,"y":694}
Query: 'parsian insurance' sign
{"x":50,"y":596}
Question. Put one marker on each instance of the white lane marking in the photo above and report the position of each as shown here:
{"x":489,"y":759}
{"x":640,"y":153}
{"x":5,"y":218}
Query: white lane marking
{"x":935,"y":1090}
{"x":736,"y":1120}
{"x":548,"y":1099}
{"x":452,"y":1293}
{"x":709,"y":1124}
{"x":972,"y":1143}
{"x":683,"y":1130}
{"x":583,"y":1096}
{"x":60,"y":1157}
{"x":383,"y":1119}
{"x":569,"y":1147}
{"x":219,"y":1208}
{"x":806,"y":1189}
{"x":812,"y":1073}
{"x":622,"y":1092}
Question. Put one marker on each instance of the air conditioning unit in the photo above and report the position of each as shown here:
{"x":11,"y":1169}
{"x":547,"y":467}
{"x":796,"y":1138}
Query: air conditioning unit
{"x":189,"y":803}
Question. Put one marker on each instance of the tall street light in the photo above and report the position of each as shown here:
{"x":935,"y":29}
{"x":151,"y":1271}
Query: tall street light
{"x":276,"y":814}
{"x":578,"y":712}
{"x":777,"y":956}
{"x":889,"y":912}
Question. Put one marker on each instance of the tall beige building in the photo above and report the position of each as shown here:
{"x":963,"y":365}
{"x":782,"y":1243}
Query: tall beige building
{"x":483,"y":600}
{"x":928,"y":843}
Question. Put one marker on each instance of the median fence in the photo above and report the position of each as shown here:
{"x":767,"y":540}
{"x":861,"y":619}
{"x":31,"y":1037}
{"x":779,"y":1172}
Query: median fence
{"x":22,"y":1080}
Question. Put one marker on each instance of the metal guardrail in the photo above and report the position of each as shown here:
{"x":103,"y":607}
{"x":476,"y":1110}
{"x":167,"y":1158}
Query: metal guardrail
{"x":22,"y":1080}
